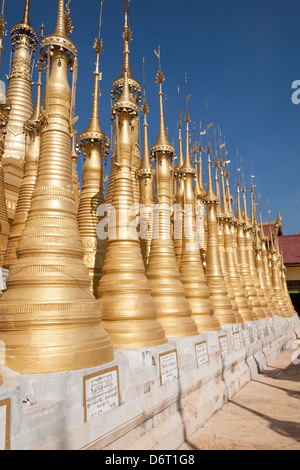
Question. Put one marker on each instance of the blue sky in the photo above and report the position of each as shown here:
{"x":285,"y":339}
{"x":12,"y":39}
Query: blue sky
{"x":241,"y":57}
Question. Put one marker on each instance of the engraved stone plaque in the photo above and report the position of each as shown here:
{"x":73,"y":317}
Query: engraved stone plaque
{"x":224,"y":345}
{"x":261,"y":331}
{"x":168,"y":363}
{"x":237,"y":341}
{"x":202,"y":354}
{"x":5,"y":424}
{"x":255,"y":334}
{"x":246,"y":337}
{"x":269,"y":329}
{"x":101,"y":393}
{"x":3,"y":276}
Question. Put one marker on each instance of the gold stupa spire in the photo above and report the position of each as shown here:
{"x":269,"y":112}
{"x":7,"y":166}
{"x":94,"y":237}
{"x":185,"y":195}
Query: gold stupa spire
{"x":261,"y":304}
{"x":19,"y":92}
{"x":276,"y":278}
{"x":179,"y":192}
{"x":262,"y":286}
{"x":173,"y":310}
{"x":32,"y":129}
{"x":191,"y":269}
{"x":225,"y":243}
{"x":263,"y":273}
{"x":214,"y":274}
{"x":94,"y":145}
{"x":230,"y":243}
{"x":162,"y":143}
{"x":4,"y":224}
{"x":145,"y":174}
{"x":135,"y":91}
{"x":3,"y":33}
{"x":75,"y":184}
{"x":129,"y":313}
{"x":50,"y":321}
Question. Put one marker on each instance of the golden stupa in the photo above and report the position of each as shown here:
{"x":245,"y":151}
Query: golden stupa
{"x":173,"y":310}
{"x":129,"y":311}
{"x":159,"y":256}
{"x":94,"y":145}
{"x":49,"y":320}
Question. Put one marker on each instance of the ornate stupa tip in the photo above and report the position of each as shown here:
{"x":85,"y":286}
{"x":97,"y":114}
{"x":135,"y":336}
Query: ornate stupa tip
{"x":210,"y":197}
{"x":162,"y":143}
{"x":35,"y":118}
{"x":146,"y":168}
{"x":63,"y":28}
{"x":25,"y":19}
{"x":187,"y":167}
{"x":239,"y":215}
{"x":125,"y":101}
{"x":2,"y":24}
{"x":94,"y":132}
{"x":24,"y":29}
{"x":134,"y":85}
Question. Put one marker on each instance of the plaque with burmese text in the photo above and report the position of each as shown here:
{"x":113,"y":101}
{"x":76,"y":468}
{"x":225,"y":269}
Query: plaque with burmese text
{"x":237,"y":341}
{"x":255,"y":334}
{"x":202,"y":354}
{"x":269,"y":329}
{"x":5,"y":412}
{"x":223,"y":341}
{"x":101,"y":393}
{"x":246,"y":337}
{"x":261,"y":332}
{"x":168,"y":366}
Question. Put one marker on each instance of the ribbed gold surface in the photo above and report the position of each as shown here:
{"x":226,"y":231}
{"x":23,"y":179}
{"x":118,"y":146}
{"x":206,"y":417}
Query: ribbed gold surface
{"x":19,"y":92}
{"x":4,"y":225}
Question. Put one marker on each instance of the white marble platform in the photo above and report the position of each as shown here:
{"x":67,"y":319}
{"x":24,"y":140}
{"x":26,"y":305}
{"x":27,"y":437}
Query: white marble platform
{"x":155,"y":397}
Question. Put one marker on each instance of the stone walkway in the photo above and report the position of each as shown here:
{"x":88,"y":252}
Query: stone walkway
{"x":264,"y":415}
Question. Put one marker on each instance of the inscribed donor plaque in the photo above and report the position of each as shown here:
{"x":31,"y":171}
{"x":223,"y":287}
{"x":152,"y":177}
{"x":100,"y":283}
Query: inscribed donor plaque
{"x":5,"y":424}
{"x":202,"y":354}
{"x":269,"y":329}
{"x":101,"y":393}
{"x":237,"y":341}
{"x":261,"y":331}
{"x":246,"y":337}
{"x":168,"y":363}
{"x":224,"y":345}
{"x":255,"y":334}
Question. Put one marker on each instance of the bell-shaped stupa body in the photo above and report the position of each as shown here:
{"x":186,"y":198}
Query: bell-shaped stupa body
{"x":50,"y":321}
